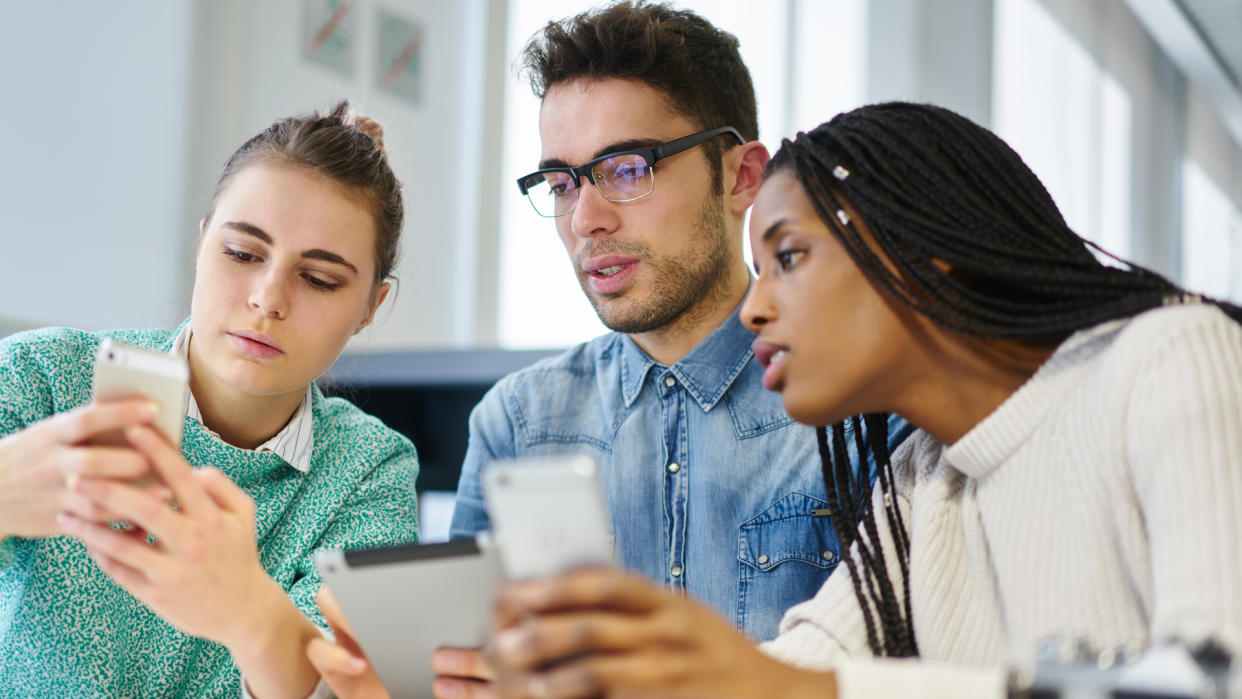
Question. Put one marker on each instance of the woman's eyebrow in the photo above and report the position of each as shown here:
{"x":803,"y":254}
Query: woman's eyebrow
{"x":325,"y":256}
{"x":248,"y":229}
{"x":772,"y":229}
{"x":315,"y":254}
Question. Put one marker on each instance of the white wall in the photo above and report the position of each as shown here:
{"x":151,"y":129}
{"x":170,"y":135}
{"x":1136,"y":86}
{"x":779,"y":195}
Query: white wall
{"x":94,"y":147}
{"x":432,"y":147}
{"x":939,"y":52}
{"x":119,"y":116}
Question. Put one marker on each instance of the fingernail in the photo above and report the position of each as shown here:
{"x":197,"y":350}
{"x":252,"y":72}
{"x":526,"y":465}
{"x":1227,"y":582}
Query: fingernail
{"x":64,"y":520}
{"x":357,"y":664}
{"x":150,"y":410}
{"x":71,"y":481}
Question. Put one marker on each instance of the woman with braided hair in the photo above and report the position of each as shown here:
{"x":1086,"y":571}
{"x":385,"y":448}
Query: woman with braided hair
{"x":1077,"y":471}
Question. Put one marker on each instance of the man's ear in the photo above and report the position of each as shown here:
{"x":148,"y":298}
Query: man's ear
{"x":380,"y":295}
{"x":747,"y":163}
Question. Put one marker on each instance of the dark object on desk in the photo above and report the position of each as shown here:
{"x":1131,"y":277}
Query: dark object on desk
{"x":426,"y":396}
{"x":1070,"y":669}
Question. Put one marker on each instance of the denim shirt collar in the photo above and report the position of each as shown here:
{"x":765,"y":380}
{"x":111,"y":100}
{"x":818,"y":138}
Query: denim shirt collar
{"x":706,"y":372}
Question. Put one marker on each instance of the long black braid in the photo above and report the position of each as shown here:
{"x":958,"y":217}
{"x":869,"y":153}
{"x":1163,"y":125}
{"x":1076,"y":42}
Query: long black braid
{"x":934,"y":187}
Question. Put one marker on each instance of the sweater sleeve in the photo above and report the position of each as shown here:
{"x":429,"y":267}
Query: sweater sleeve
{"x":1184,"y":448}
{"x":25,"y":398}
{"x":382,"y":512}
{"x":25,"y":394}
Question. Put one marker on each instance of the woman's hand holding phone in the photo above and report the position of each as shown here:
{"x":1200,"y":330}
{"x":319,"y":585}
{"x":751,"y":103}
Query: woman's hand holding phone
{"x":201,"y":573}
{"x":203,"y":566}
{"x":38,"y":463}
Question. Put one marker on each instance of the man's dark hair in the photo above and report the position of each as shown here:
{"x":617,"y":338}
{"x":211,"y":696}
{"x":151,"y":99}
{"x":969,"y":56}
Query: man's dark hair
{"x":677,"y":52}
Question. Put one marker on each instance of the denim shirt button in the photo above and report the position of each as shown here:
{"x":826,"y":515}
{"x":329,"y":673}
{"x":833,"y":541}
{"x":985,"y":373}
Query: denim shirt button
{"x":670,"y":381}
{"x":763,"y":559}
{"x":674,"y":467}
{"x":828,"y":555}
{"x":675,"y":571}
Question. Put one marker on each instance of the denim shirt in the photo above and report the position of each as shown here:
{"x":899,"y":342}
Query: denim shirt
{"x":714,"y":489}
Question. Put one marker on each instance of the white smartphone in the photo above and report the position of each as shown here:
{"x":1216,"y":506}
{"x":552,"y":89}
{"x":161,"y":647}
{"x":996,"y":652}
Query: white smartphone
{"x":124,"y":371}
{"x":548,"y":515}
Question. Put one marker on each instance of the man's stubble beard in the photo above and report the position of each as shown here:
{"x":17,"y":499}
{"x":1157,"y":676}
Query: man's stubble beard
{"x":681,"y":288}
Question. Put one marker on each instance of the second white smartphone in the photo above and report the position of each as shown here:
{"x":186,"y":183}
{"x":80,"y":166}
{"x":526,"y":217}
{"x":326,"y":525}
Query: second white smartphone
{"x":124,"y":371}
{"x":548,"y":515}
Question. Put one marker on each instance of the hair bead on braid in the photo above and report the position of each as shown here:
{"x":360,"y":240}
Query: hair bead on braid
{"x":965,"y":234}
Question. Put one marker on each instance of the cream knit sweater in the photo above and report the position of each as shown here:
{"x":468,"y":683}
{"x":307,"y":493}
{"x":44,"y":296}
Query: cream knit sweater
{"x":1102,"y":500}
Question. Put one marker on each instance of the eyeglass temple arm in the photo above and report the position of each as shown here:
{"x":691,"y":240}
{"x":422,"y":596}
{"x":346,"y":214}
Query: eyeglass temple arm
{"x":688,"y":142}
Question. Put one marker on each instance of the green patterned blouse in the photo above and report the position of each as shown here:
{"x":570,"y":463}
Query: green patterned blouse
{"x":66,"y":630}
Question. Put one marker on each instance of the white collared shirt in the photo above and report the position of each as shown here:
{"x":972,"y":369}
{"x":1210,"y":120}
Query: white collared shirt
{"x":293,"y":443}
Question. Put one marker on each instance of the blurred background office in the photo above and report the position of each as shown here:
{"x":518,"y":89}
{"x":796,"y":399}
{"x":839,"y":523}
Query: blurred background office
{"x":118,"y":116}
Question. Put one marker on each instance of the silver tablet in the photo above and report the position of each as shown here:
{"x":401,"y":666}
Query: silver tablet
{"x":403,"y":602}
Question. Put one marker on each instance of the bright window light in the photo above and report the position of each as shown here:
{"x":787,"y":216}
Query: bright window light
{"x":1068,"y":118}
{"x":1211,"y":237}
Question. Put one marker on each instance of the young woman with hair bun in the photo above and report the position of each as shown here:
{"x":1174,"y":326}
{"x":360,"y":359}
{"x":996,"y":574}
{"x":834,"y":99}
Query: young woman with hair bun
{"x":214,"y":579}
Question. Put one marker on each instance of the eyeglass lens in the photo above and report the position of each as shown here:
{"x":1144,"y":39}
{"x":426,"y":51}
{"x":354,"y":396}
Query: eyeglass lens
{"x":620,"y":178}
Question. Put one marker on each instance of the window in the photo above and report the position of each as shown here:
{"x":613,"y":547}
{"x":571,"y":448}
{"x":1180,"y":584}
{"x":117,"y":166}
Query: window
{"x":1211,"y":237}
{"x":1069,"y":119}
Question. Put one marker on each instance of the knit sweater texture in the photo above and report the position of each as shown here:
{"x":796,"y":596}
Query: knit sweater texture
{"x":1102,"y":501}
{"x":67,"y":630}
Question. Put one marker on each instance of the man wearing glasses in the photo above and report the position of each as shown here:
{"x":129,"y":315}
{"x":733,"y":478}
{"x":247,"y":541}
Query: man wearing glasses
{"x":649,"y":163}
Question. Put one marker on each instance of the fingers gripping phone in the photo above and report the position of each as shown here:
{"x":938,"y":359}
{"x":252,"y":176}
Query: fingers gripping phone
{"x":548,"y":515}
{"x":124,"y":371}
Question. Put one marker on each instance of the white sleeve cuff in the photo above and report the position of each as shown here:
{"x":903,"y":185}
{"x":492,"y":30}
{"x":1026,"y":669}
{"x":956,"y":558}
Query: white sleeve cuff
{"x":915,"y":679}
{"x":322,"y":691}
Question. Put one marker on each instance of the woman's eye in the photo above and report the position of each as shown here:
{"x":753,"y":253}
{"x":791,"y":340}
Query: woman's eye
{"x":320,"y":284}
{"x":788,"y":258}
{"x":240,"y":256}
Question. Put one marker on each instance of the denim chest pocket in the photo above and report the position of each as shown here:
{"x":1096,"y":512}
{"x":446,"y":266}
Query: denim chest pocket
{"x":558,"y":416}
{"x":785,"y":554}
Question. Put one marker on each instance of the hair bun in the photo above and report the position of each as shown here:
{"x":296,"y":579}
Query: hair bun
{"x":370,"y":127}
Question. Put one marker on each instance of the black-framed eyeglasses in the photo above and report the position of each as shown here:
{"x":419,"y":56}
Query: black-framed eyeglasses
{"x":623,"y":176}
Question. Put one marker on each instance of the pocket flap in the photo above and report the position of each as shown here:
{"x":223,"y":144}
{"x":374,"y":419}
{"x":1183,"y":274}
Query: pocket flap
{"x":789,"y":531}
